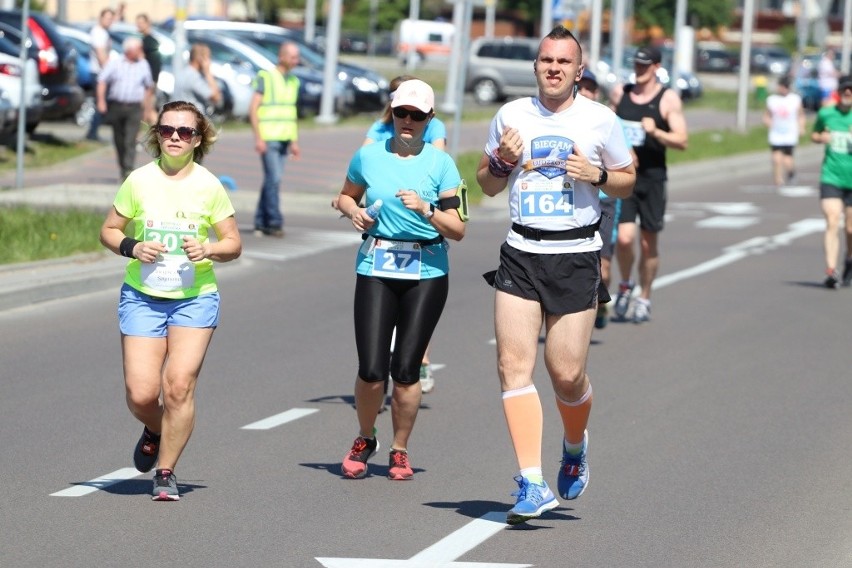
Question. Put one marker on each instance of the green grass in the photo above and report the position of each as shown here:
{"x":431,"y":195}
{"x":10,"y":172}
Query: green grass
{"x":42,"y":150}
{"x":28,"y":234}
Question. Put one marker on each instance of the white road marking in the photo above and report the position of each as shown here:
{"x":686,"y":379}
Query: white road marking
{"x":726,"y":222}
{"x":798,"y":191}
{"x":131,"y":472}
{"x":721,"y":208}
{"x":731,"y":254}
{"x":301,"y":243}
{"x":101,"y":482}
{"x":443,"y":553}
{"x":279,"y":419}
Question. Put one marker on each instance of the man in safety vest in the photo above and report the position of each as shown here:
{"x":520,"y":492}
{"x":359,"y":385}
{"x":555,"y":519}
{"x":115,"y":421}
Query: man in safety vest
{"x":273,"y":117}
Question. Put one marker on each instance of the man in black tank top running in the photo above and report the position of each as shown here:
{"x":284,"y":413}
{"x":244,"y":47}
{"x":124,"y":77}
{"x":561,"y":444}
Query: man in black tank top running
{"x":653,"y":121}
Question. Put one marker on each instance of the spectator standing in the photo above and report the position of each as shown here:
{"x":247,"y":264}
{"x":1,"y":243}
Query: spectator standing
{"x":150,"y":46}
{"x":98,"y":58}
{"x":653,"y":121}
{"x":274,"y":119}
{"x":125,"y":93}
{"x":401,"y":269}
{"x":827,"y":75}
{"x":785,"y":118}
{"x":169,"y":303}
{"x":200,"y":86}
{"x":833,"y":127}
{"x":554,"y":152}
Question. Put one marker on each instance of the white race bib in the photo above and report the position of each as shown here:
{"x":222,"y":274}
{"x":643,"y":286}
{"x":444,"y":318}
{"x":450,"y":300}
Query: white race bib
{"x":634,"y":132}
{"x":545,"y":199}
{"x":172,"y":270}
{"x":396,"y":259}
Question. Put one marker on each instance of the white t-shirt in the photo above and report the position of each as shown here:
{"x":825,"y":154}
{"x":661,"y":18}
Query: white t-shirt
{"x":98,"y":37}
{"x":826,"y":74}
{"x":784,"y":127}
{"x":541,"y":195}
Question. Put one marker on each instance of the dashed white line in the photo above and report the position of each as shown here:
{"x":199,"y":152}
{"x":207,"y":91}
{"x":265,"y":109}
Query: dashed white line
{"x":443,"y":553}
{"x":101,"y":482}
{"x":279,"y":419}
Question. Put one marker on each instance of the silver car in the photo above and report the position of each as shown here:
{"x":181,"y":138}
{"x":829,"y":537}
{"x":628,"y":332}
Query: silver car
{"x":500,"y":68}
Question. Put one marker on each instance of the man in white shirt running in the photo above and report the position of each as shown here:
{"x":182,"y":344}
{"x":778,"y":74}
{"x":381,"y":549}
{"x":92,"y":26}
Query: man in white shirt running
{"x":552,"y":154}
{"x":785,"y":118}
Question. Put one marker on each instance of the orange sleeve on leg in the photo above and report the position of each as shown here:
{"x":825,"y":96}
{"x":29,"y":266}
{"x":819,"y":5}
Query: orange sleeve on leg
{"x":525,"y":417}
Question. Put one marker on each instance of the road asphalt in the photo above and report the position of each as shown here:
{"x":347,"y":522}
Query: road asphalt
{"x":90,"y":183}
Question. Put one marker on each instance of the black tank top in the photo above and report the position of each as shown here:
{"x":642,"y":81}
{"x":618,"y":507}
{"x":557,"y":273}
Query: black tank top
{"x":652,"y":153}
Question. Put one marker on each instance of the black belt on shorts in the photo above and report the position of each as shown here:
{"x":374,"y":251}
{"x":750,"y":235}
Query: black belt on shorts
{"x":569,"y":234}
{"x":437,"y":240}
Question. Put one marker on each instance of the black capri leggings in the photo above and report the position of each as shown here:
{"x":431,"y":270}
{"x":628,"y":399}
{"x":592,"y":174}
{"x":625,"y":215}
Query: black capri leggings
{"x":413,"y":307}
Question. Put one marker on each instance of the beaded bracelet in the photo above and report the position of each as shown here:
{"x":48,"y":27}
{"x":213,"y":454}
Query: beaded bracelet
{"x":498,"y":167}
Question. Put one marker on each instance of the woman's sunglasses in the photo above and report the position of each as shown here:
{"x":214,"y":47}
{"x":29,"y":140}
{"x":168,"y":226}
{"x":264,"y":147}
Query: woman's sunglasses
{"x":416,"y":115}
{"x":185,"y":133}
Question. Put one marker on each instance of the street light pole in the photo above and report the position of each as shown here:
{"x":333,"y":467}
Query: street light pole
{"x":846,"y":46}
{"x":680,"y":37}
{"x":456,"y":56}
{"x":596,"y":32}
{"x":413,"y":15}
{"x":329,"y":80}
{"x":22,"y":107}
{"x":745,"y":64}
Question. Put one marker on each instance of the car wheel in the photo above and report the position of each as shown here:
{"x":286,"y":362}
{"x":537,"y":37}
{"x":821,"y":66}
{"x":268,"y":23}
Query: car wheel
{"x":84,"y":114}
{"x":485,"y":91}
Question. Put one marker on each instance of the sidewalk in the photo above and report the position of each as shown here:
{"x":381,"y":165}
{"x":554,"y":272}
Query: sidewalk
{"x":88,"y":182}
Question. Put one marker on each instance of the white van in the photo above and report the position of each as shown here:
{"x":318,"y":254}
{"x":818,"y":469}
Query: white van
{"x":424,"y":37}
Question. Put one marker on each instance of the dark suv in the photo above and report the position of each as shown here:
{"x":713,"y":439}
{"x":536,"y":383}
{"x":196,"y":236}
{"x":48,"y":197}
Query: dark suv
{"x":57,"y":64}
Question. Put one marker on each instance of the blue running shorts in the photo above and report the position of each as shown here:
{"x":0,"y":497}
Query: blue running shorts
{"x":149,"y":316}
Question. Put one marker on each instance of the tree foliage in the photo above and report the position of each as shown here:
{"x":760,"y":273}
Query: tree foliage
{"x":647,"y":13}
{"x":699,"y":13}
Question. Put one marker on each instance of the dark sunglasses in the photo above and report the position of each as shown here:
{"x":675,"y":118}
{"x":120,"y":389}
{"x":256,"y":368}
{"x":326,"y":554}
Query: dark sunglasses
{"x":185,"y":133}
{"x":416,"y":115}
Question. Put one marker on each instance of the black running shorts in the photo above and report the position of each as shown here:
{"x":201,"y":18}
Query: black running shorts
{"x":564,"y":283}
{"x":648,"y":202}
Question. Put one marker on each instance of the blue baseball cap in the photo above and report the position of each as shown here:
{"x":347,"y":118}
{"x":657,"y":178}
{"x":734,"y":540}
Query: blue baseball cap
{"x":589,"y":76}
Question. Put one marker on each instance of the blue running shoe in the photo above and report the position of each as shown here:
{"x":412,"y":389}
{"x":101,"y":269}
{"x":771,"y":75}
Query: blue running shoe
{"x":573,"y":475}
{"x":622,"y":300}
{"x":533,"y":500}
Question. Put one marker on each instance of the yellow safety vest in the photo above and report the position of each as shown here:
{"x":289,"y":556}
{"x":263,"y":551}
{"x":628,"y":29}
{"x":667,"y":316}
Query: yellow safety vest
{"x":277,"y":112}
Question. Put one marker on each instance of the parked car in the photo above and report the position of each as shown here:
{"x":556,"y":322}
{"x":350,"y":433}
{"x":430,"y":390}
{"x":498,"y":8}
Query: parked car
{"x":11,"y":77}
{"x":243,"y":59}
{"x":501,"y":67}
{"x":770,"y":59}
{"x":8,"y":115}
{"x":57,"y":64}
{"x":370,"y":89}
{"x":80,"y":40}
{"x":715,"y":60}
{"x":235,"y":64}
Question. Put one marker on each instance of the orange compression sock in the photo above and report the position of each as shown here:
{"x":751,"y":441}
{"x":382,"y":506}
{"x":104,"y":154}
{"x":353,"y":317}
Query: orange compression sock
{"x":575,"y":416}
{"x":525,"y":418}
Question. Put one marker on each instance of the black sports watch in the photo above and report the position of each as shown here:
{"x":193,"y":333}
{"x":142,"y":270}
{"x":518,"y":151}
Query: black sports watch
{"x":602,"y":179}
